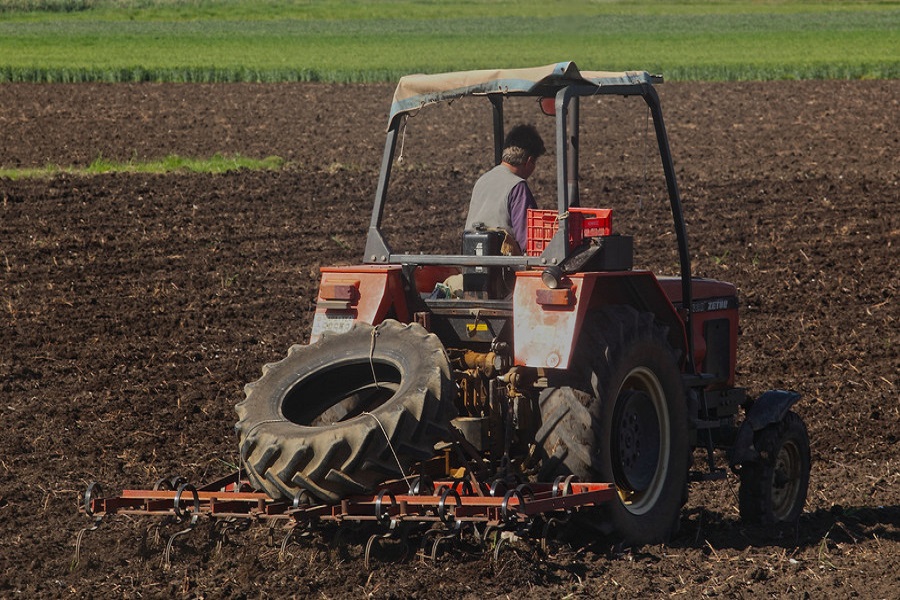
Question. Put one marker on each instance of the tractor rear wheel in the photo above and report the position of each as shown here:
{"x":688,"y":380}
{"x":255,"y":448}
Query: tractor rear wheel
{"x":625,"y":422}
{"x":773,"y":488}
{"x":347,"y":413}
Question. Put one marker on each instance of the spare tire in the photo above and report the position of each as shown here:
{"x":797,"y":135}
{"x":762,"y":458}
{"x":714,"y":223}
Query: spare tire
{"x":347,"y":413}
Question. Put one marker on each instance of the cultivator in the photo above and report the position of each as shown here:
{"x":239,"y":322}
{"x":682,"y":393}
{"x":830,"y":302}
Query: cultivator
{"x":441,"y":514}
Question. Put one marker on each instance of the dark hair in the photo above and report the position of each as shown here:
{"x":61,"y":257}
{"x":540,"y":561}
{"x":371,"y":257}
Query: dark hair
{"x":521,"y":142}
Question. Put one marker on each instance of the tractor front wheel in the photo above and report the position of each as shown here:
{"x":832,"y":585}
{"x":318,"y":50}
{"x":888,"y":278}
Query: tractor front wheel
{"x":773,"y":488}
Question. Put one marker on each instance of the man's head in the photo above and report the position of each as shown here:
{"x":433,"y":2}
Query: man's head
{"x":523,"y":145}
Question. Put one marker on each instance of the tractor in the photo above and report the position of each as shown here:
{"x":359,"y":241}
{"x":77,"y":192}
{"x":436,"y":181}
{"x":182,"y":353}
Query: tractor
{"x":562,"y":363}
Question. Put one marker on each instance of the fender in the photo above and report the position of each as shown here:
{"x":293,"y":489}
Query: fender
{"x":769,"y":408}
{"x":547,"y":321}
{"x":367,"y":293}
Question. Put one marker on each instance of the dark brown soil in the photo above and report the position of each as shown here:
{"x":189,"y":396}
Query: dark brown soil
{"x":135,"y":307}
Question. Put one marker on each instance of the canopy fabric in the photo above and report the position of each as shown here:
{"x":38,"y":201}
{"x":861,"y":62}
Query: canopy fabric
{"x":415,"y":91}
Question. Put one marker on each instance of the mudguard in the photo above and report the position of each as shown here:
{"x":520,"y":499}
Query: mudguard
{"x":547,"y":321}
{"x":366,"y":293}
{"x":770,"y":407}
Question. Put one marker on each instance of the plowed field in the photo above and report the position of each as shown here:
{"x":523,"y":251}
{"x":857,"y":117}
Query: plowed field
{"x":135,"y":307}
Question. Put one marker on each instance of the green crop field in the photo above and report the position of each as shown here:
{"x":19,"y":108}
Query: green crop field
{"x":218,"y":163}
{"x":328,"y":40}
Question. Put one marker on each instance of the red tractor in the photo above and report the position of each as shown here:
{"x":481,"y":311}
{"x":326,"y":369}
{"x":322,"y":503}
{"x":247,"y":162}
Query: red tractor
{"x":564,"y":361}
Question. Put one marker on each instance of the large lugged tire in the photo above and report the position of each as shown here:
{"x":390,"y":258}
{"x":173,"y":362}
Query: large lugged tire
{"x":773,"y":489}
{"x":628,"y":423}
{"x":336,"y":417}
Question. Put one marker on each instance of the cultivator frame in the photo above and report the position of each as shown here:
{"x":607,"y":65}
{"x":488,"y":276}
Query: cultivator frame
{"x":440,"y":512}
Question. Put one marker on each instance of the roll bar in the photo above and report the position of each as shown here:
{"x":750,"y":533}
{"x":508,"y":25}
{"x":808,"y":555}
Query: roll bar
{"x":567,"y":137}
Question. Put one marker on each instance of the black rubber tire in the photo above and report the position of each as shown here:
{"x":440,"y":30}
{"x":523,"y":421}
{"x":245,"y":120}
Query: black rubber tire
{"x":317,"y":422}
{"x":773,"y":489}
{"x":627,"y":423}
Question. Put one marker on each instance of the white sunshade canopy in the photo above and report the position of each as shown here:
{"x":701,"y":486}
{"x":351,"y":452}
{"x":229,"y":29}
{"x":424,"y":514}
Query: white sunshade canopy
{"x":415,"y":91}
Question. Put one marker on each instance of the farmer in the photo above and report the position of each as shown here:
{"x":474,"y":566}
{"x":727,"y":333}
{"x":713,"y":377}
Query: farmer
{"x":501,"y":197}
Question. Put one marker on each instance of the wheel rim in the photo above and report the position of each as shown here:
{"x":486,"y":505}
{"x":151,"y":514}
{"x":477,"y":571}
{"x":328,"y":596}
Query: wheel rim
{"x":640,"y":440}
{"x":786,"y":476}
{"x":340,"y":393}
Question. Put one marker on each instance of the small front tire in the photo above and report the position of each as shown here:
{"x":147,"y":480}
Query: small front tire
{"x":773,"y":488}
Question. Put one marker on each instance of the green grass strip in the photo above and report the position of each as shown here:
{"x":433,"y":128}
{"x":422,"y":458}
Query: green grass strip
{"x":218,"y":163}
{"x":368,"y":40}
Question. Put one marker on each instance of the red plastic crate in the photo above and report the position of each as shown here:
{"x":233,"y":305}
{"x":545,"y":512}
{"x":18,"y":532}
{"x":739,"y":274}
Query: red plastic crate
{"x":583,"y":223}
{"x":595,"y":221}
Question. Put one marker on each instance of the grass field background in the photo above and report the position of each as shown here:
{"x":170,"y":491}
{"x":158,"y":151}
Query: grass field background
{"x":270,"y":40}
{"x":216,"y":164}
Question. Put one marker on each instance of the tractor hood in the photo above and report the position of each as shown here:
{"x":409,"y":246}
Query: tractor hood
{"x":415,"y":91}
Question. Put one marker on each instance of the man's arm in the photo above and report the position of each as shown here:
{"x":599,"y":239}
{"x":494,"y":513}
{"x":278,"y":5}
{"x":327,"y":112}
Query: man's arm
{"x":519,"y":201}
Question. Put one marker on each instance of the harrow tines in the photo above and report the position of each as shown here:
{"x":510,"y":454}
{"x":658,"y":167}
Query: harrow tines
{"x":442,"y":514}
{"x":182,"y":514}
{"x":93,"y":489}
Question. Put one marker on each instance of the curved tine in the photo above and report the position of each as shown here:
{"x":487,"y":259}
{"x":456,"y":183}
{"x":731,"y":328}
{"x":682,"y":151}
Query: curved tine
{"x":270,"y":534}
{"x":182,"y":513}
{"x":442,"y":505}
{"x":562,"y":485}
{"x":225,"y":527}
{"x":368,"y":555}
{"x":177,"y":481}
{"x":545,"y":535}
{"x":551,"y":523}
{"x":167,"y":554}
{"x":381,"y":517}
{"x":488,"y":531}
{"x":284,"y":543}
{"x":504,"y":508}
{"x":462,"y":484}
{"x":163,"y":484}
{"x":93,"y":489}
{"x":526,"y":489}
{"x":567,"y":489}
{"x":423,"y":486}
{"x":423,"y":558}
{"x":219,"y":532}
{"x":501,"y":541}
{"x":430,"y":533}
{"x":554,"y":491}
{"x":567,"y":484}
{"x":437,"y":545}
{"x":76,"y":559}
{"x":376,"y":537}
{"x":495,"y":487}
